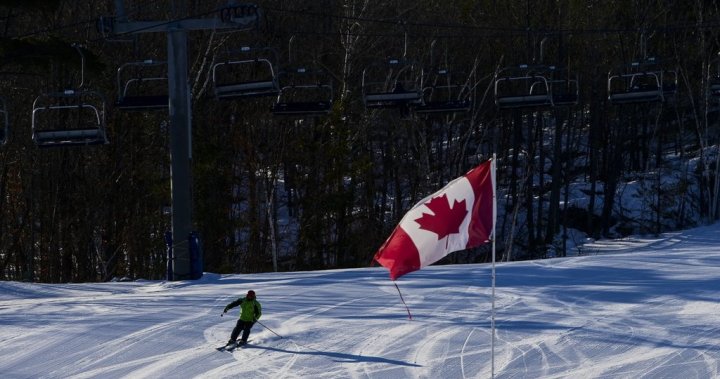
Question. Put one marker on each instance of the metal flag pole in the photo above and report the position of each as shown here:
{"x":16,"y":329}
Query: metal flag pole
{"x":492,"y":313}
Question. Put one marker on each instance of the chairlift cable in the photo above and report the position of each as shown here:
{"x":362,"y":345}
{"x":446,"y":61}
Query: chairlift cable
{"x":497,"y":32}
{"x":65,"y":26}
{"x":518,"y":30}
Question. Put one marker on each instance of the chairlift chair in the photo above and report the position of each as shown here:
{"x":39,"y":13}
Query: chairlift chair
{"x":148,"y":90}
{"x":641,"y":87}
{"x":442,"y":95}
{"x":253,"y":74}
{"x":392,"y":84}
{"x":523,"y":87}
{"x":641,"y":82}
{"x":69,"y":118}
{"x":306,"y":93}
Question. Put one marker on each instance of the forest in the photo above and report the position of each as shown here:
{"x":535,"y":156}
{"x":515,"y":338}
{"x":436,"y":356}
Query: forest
{"x":575,"y":98}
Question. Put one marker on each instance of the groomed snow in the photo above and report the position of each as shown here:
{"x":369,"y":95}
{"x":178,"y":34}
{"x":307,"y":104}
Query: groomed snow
{"x":633,"y":308}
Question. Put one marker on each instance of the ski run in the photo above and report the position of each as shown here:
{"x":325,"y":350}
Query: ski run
{"x":642,"y":307}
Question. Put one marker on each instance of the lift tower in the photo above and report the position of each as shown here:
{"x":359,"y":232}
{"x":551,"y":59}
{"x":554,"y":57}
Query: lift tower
{"x":237,"y":16}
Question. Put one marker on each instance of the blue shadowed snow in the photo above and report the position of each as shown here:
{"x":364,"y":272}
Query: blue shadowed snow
{"x":631,"y":308}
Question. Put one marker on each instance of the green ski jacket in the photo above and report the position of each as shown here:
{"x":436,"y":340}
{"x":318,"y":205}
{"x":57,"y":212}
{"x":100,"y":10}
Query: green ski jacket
{"x":250,"y":310}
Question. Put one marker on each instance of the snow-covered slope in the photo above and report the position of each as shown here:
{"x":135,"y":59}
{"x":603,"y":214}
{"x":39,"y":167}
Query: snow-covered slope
{"x":631,"y":309}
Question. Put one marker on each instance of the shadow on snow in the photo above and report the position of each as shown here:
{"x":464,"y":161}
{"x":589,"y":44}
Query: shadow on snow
{"x":337,"y":357}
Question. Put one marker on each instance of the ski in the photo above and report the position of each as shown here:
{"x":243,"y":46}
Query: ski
{"x":230,"y":347}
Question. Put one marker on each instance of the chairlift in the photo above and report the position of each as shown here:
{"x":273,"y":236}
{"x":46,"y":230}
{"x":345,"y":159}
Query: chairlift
{"x":641,"y":82}
{"x":69,"y":118}
{"x":307,"y":92}
{"x":251,"y":72}
{"x":392,"y":84}
{"x":442,"y":95}
{"x":523,"y":87}
{"x":146,"y":90}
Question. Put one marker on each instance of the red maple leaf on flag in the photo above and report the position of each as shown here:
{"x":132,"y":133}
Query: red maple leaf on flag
{"x":445,"y":220}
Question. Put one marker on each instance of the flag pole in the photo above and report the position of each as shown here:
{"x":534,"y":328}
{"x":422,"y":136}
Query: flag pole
{"x":492,"y":313}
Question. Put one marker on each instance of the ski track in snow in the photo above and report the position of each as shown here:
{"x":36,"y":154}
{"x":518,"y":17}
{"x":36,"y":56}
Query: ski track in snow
{"x":630,"y":308}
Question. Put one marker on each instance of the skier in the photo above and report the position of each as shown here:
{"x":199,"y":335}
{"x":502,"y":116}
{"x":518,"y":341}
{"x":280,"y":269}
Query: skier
{"x":250,"y":311}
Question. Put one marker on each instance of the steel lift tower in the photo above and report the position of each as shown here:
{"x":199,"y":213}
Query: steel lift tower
{"x":235,"y":16}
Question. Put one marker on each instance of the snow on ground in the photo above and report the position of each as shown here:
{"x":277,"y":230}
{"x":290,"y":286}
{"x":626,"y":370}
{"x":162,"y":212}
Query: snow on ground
{"x":631,"y":308}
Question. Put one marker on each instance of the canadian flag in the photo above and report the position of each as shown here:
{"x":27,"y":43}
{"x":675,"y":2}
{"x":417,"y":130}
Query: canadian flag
{"x":458,"y":217}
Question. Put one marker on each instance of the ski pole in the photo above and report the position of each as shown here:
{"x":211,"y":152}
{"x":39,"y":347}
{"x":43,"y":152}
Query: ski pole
{"x":273,"y":332}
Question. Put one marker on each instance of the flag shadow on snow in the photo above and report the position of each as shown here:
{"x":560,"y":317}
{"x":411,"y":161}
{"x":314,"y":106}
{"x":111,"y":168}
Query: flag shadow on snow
{"x":338,"y":357}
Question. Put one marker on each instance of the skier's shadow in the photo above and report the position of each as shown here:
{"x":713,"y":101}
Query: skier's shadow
{"x":337,"y":357}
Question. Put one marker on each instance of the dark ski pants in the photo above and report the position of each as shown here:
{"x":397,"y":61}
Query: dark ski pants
{"x":243,"y":326}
